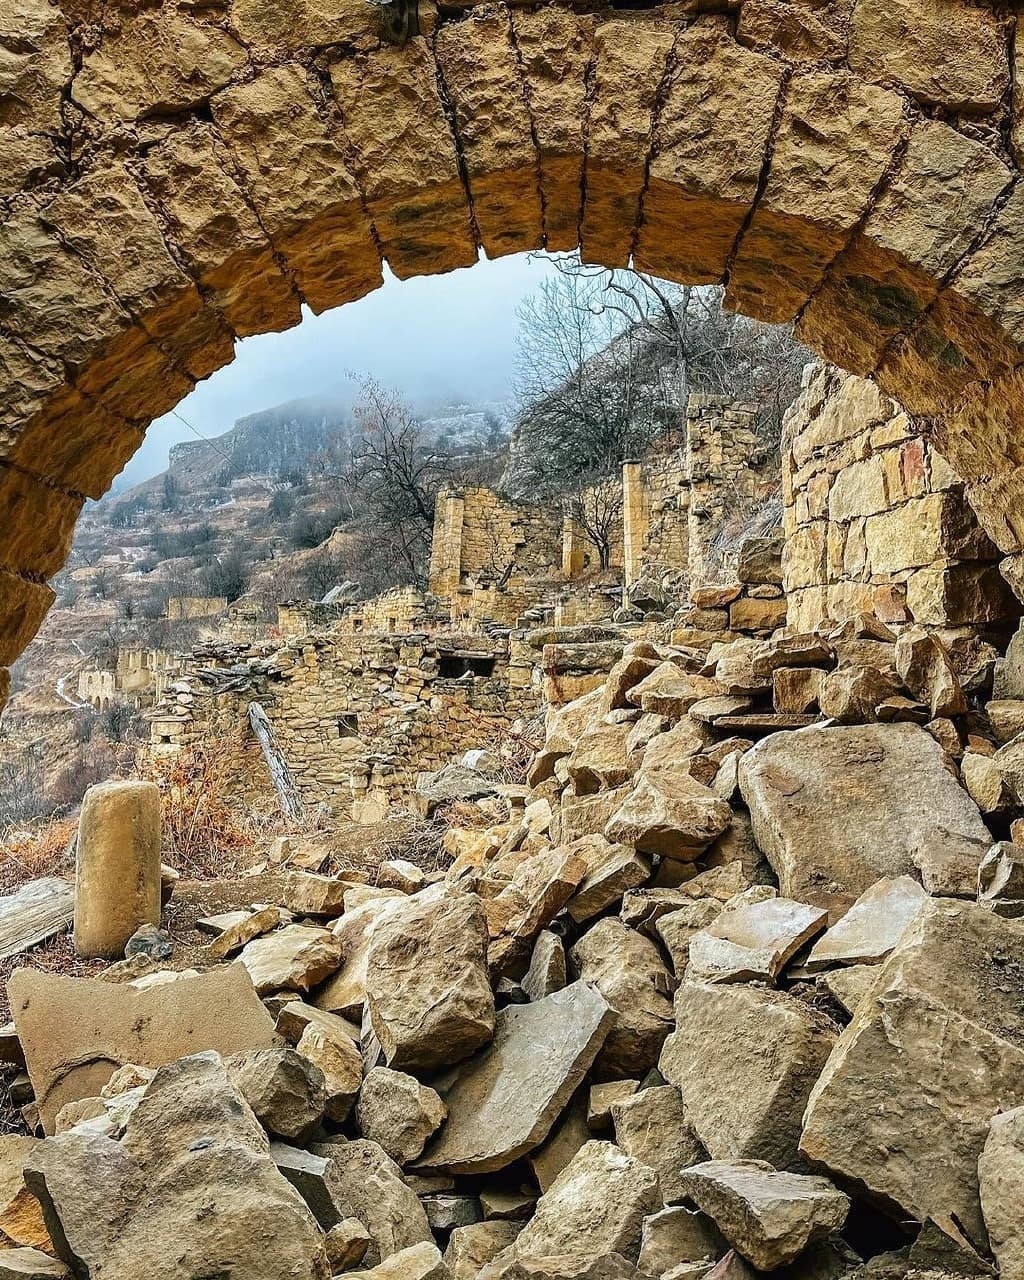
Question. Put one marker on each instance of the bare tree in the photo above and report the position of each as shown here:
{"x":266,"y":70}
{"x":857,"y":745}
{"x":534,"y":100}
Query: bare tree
{"x":596,"y":505}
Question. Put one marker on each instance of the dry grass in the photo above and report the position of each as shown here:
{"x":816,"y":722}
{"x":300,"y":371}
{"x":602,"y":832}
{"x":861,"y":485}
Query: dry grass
{"x":512,"y":745}
{"x":209,"y":829}
{"x":45,"y":850}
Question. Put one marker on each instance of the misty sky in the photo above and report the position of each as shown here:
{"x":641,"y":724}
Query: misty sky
{"x":435,"y":336}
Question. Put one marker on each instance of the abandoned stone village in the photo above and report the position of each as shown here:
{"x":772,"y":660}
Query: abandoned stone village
{"x":650,"y":911}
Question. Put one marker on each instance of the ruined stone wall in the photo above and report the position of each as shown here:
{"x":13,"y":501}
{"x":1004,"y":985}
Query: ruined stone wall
{"x":357,"y":716}
{"x":189,"y":608}
{"x":876,"y":519}
{"x":480,"y":535}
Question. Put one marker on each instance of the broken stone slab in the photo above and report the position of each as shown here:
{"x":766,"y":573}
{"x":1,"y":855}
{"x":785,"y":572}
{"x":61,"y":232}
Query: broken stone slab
{"x":630,"y":973}
{"x":540,"y":887}
{"x":612,"y":871}
{"x":418,"y":1262}
{"x":985,"y":783}
{"x":339,"y":1060}
{"x":295,"y":958}
{"x":344,"y":992}
{"x":238,"y":933}
{"x":307,"y":1173}
{"x":30,"y":1264}
{"x":1001,"y":879}
{"x":1001,"y":1179}
{"x":21,"y":1218}
{"x":285,"y":1090}
{"x":653,"y":1126}
{"x":935,"y":1049}
{"x":599,"y":759}
{"x":835,"y":808}
{"x":505,"y":1101}
{"x":595,"y":1207}
{"x":570,"y":1133}
{"x":446,"y":1211}
{"x":678,"y":929}
{"x":803,"y":651}
{"x":428,"y":988}
{"x":471,"y":1248}
{"x":768,"y":1217}
{"x":366,"y":1184}
{"x":675,"y":1236}
{"x":924,"y":666}
{"x":753,"y":941}
{"x":670,"y":692}
{"x":872,"y":926}
{"x":851,"y":694}
{"x":669,"y":814}
{"x":764,"y":1050}
{"x":547,"y":971}
{"x":295,"y":1016}
{"x":77,"y":1031}
{"x":948,"y":865}
{"x":399,"y":1113}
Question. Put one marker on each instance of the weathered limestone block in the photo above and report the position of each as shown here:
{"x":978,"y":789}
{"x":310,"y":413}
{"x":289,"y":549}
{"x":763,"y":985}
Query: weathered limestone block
{"x":943,"y":53}
{"x":769,"y":1218}
{"x":632,"y":58}
{"x":678,"y":1235}
{"x":873,"y":925}
{"x":629,"y":972}
{"x":937,"y":527}
{"x":218,"y":233}
{"x":832,"y":123}
{"x":595,"y":1207}
{"x":764,"y":1050}
{"x":295,"y":958}
{"x":284,"y":1089}
{"x":920,"y":226}
{"x":959,"y":595}
{"x":300,"y":185}
{"x":799,"y":34}
{"x":117,"y":881}
{"x":599,"y":761}
{"x":934,"y":1051}
{"x":1001,"y":1175}
{"x":405,"y":158}
{"x":397,"y":1111}
{"x":155,"y":62}
{"x":480,"y":70}
{"x":471,"y":1248}
{"x":711,"y":137}
{"x":345,"y":992}
{"x":653,"y":1126}
{"x":836,"y":808}
{"x":37,"y":65}
{"x":505,"y":1101}
{"x":669,"y":813}
{"x":556,"y":48}
{"x":752,"y":940}
{"x":428,"y":992}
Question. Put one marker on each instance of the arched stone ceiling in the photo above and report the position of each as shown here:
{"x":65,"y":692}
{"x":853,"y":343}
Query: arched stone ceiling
{"x":176,"y":175}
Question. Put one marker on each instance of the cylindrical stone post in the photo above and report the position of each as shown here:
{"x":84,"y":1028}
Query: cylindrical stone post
{"x":117,"y":884}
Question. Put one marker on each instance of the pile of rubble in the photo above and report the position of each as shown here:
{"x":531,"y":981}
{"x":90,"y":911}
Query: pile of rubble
{"x":718,"y":1000}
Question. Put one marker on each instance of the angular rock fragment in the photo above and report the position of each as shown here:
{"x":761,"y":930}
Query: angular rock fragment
{"x":570,"y":1134}
{"x":673,"y":816}
{"x":1001,"y":1178}
{"x":935,"y":1049}
{"x":599,"y":759}
{"x":252,"y":925}
{"x":675,"y":1236}
{"x":399,"y":1113}
{"x":345,"y":992}
{"x":547,"y":971}
{"x":30,"y":1264}
{"x":338,"y":1059}
{"x":1001,"y":879}
{"x":295,"y":958}
{"x":603,"y":1097}
{"x":428,"y":988}
{"x":872,"y":926}
{"x":446,"y":1211}
{"x":629,"y":972}
{"x":612,"y":871}
{"x":418,"y":1262}
{"x":505,"y":1101}
{"x":653,"y":1126}
{"x":471,"y":1248}
{"x":769,"y":1218}
{"x":366,"y":1184}
{"x":849,"y":985}
{"x":77,"y":1031}
{"x":923,"y":665}
{"x":595,"y":1207}
{"x":347,"y":1243}
{"x":764,"y":1051}
{"x":285,"y":1090}
{"x":310,"y":895}
{"x":678,"y":929}
{"x":836,"y":808}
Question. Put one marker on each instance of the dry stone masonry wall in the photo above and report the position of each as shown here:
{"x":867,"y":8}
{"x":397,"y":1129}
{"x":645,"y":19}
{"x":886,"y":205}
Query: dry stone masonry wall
{"x":876,"y":519}
{"x":177,"y":177}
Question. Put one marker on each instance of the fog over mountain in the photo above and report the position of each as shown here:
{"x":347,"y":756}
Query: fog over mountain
{"x":439,"y":339}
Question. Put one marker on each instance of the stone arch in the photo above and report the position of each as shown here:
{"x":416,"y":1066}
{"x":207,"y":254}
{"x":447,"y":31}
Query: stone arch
{"x":177,"y":176}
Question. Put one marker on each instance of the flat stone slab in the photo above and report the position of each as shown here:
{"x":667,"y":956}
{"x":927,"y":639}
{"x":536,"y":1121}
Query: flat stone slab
{"x":76,"y":1032}
{"x":753,"y":941}
{"x":835,"y":808}
{"x":769,"y":1218}
{"x":873,"y":925}
{"x":507,"y":1098}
